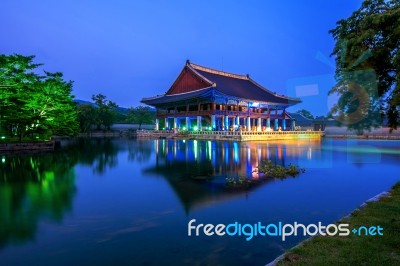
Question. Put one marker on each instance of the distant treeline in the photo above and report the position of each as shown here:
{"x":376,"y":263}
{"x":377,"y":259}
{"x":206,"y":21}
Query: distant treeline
{"x":104,"y":113}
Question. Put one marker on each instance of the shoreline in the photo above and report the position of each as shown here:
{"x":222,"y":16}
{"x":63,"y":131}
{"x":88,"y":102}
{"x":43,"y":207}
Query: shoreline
{"x":28,"y":146}
{"x":280,"y":260}
{"x":52,"y":144}
{"x":365,"y":137}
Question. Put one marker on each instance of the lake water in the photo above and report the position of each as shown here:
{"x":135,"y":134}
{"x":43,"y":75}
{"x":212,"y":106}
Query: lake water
{"x":128,"y":202}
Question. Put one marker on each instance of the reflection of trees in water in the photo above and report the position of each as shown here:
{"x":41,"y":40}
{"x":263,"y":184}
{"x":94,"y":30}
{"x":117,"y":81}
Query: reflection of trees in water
{"x":33,"y":187}
{"x":37,"y":186}
{"x":98,"y":153}
{"x":140,"y":151}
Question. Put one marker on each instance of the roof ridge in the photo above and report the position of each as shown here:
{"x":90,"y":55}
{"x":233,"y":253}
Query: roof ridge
{"x":199,"y":75}
{"x":194,"y":72}
{"x":273,"y":93}
{"x":218,"y":72}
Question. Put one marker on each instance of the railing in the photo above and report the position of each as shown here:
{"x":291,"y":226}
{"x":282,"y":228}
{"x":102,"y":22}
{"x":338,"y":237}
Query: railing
{"x":185,"y":113}
{"x":230,"y":133}
{"x":218,"y":112}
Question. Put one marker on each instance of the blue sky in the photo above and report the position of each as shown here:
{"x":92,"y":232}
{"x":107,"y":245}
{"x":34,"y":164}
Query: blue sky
{"x":128,"y":50}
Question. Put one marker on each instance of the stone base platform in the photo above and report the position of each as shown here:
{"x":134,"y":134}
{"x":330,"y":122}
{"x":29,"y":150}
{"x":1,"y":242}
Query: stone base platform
{"x":230,"y":135}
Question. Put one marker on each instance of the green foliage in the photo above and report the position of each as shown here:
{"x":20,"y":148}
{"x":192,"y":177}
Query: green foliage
{"x":240,"y":182}
{"x":42,"y":186}
{"x":102,"y":115}
{"x":278,"y":171}
{"x":141,"y":115}
{"x":105,"y":112}
{"x":269,"y":169}
{"x":120,"y":118}
{"x":367,"y":65}
{"x":33,"y":105}
{"x":306,"y":113}
{"x":86,"y":117}
{"x":33,"y":188}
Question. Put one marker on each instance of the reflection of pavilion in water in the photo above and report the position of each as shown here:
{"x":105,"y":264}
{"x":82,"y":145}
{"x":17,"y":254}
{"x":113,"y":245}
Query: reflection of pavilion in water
{"x":196,"y":170}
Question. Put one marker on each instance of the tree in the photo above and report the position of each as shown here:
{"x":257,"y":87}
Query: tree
{"x":31,"y":104}
{"x":86,"y":117}
{"x":141,"y":115}
{"x":106,"y":111}
{"x":54,"y":105}
{"x":306,"y":114}
{"x":367,"y":54}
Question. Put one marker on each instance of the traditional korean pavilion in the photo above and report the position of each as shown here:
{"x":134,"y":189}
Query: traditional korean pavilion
{"x":202,"y":98}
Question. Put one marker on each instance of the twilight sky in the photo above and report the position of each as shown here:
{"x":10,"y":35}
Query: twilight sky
{"x":128,"y":50}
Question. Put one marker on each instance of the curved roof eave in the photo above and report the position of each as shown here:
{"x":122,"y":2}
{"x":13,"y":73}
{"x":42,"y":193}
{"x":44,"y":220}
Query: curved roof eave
{"x":298,"y":100}
{"x":163,"y":99}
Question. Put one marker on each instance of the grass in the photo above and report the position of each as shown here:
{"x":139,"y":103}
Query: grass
{"x":352,"y":249}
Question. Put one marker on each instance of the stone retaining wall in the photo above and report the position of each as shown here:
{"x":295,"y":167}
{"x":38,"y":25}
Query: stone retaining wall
{"x":10,"y":147}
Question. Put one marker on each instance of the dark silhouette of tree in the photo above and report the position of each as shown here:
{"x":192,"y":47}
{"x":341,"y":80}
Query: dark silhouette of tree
{"x":367,"y":65}
{"x":86,"y":117}
{"x":106,"y":111}
{"x":141,"y":151}
{"x":141,"y":115}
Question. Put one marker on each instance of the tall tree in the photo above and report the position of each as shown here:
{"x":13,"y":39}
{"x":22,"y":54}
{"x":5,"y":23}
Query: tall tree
{"x":33,"y":104}
{"x":367,"y":54}
{"x":141,"y":115}
{"x":86,"y":117}
{"x":106,"y":111}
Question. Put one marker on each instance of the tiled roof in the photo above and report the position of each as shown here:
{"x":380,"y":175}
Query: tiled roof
{"x":240,"y":86}
{"x":224,"y":83}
